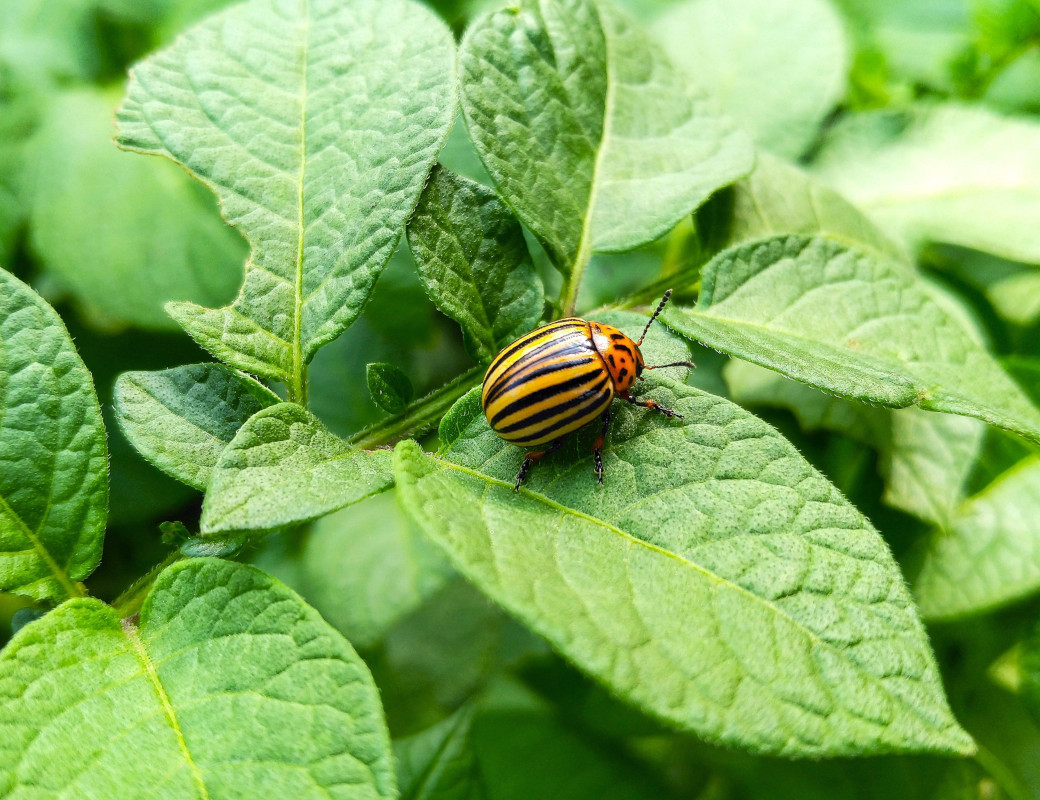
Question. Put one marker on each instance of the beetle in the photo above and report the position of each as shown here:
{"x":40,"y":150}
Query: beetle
{"x":559,"y":377}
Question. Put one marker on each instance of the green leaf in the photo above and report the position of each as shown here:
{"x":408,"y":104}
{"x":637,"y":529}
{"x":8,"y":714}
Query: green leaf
{"x":181,"y":419}
{"x":588,"y":132}
{"x":318,"y":156}
{"x":716,"y":580}
{"x":228,"y":686}
{"x":943,"y":173}
{"x":123,"y":234}
{"x":439,"y":763}
{"x":779,"y":198}
{"x":850,"y":323}
{"x":389,"y":387}
{"x":926,"y":458}
{"x":282,"y":468}
{"x":367,"y":567}
{"x":474,"y":263}
{"x":53,"y":458}
{"x":988,"y":554}
{"x":778,"y":66}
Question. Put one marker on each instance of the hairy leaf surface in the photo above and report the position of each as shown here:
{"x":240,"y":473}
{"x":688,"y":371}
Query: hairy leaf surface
{"x":716,"y":580}
{"x":848,"y":322}
{"x":228,"y":685}
{"x":316,"y":125}
{"x":284,"y":467}
{"x":590,"y":135}
{"x":181,"y":419}
{"x":53,"y":454}
{"x":473,"y":260}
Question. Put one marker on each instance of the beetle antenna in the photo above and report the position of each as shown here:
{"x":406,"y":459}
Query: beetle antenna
{"x":660,"y":308}
{"x":689,"y":364}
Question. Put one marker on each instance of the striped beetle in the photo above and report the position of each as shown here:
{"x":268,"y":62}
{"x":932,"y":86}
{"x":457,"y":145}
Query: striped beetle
{"x":561,"y":376}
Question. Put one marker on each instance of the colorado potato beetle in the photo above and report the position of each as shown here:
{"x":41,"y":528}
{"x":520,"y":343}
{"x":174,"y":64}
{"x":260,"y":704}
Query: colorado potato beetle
{"x":561,"y":376}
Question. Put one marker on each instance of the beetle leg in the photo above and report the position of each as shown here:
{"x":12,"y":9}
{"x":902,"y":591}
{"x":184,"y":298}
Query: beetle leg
{"x":597,"y":446}
{"x":530,"y":458}
{"x":650,"y":404}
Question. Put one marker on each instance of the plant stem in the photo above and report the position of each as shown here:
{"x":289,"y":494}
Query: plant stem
{"x":572,"y":283}
{"x":297,"y":387}
{"x":418,"y":415}
{"x":1001,"y":774}
{"x":129,"y":602}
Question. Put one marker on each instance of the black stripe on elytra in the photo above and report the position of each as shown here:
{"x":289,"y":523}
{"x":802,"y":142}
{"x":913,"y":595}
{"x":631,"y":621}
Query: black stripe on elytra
{"x":580,"y":412}
{"x":588,"y":376}
{"x":537,"y":333}
{"x":595,"y":393}
{"x":556,"y":347}
{"x":528,"y":373}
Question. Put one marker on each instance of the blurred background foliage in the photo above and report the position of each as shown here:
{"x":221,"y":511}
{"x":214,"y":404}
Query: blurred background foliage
{"x":109,"y":237}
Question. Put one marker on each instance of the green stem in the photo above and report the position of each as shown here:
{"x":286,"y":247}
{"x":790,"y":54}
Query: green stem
{"x":298,"y":387}
{"x":1002,"y":774}
{"x":129,"y":602}
{"x":419,"y":415}
{"x":572,"y":283}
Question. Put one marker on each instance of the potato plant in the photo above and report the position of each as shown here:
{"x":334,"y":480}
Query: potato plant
{"x":257,"y":537}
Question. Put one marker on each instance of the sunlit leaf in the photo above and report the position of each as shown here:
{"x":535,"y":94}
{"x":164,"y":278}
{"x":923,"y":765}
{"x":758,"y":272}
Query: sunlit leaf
{"x":53,"y":457}
{"x":228,"y":685}
{"x":715,"y":580}
{"x":316,"y":125}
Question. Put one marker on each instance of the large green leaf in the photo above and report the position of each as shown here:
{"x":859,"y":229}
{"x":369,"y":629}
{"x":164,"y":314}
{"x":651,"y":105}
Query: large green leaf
{"x":473,"y":260}
{"x":53,"y":458}
{"x":715,"y":580}
{"x":925,"y":458}
{"x":848,"y":322}
{"x":367,"y":567}
{"x":124,"y":234}
{"x":181,"y":419}
{"x":988,"y":554}
{"x":316,"y":125}
{"x":778,"y":66}
{"x":227,"y":686}
{"x":284,"y":467}
{"x":946,"y":173}
{"x":588,"y":132}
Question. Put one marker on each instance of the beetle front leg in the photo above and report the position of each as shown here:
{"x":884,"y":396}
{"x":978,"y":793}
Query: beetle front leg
{"x":650,"y":404}
{"x":597,"y":446}
{"x":530,"y":458}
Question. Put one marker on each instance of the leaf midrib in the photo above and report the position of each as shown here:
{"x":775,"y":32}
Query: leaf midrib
{"x":717,"y":579}
{"x":297,"y":377}
{"x":148,"y":667}
{"x":71,"y":589}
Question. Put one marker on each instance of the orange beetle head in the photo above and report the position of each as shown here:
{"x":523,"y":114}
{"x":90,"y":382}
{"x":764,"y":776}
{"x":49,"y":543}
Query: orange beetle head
{"x":621,"y":355}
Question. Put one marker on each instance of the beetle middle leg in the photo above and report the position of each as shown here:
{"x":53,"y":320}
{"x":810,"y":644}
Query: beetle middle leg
{"x":650,"y":404}
{"x":597,"y":446}
{"x":530,"y":458}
